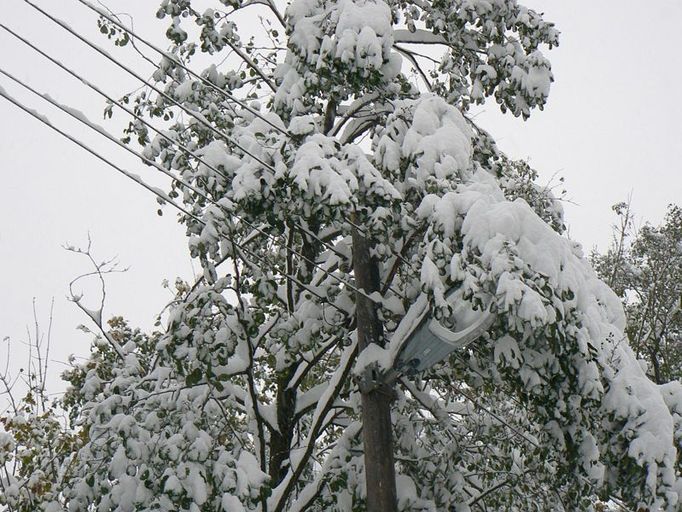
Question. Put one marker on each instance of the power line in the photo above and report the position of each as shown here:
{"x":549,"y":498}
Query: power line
{"x":80,"y":118}
{"x":86,"y":82}
{"x":163,"y":170}
{"x":188,"y":70}
{"x":181,"y":65}
{"x":213,"y":86}
{"x":153,"y":128}
{"x":120,"y":105}
{"x":159,"y":194}
{"x":200,"y":118}
{"x":146,"y":123}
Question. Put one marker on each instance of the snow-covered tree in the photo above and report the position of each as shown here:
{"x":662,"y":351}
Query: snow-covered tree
{"x":34,"y":440}
{"x":644,"y":267}
{"x":357,"y":120}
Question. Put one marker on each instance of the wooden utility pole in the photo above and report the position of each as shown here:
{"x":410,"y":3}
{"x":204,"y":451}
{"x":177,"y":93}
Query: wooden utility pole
{"x":376,"y":396}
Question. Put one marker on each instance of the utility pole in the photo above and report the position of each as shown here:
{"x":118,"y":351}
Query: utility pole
{"x":376,"y":396}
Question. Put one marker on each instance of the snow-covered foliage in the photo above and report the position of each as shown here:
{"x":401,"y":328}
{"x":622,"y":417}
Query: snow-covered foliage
{"x":247,"y":401}
{"x":644,"y":267}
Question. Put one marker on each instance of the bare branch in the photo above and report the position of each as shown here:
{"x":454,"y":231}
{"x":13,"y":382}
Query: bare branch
{"x":412,"y":57}
{"x":101,"y":269}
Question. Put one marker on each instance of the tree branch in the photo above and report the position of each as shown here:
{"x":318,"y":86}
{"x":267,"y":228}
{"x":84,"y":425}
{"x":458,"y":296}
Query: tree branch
{"x":419,"y":36}
{"x":337,"y":382}
{"x":249,"y":62}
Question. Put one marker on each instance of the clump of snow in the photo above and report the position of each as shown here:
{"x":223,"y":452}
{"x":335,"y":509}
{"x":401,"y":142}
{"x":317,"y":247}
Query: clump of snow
{"x":361,"y":37}
{"x":302,"y":125}
{"x":340,"y":46}
{"x":437,"y":144}
{"x":373,"y":357}
{"x":7,"y":445}
{"x":231,"y":503}
{"x":318,"y":171}
{"x":639,"y":403}
{"x":321,"y":170}
{"x":217,"y":155}
{"x":184,"y":91}
{"x":535,"y":77}
{"x":248,"y":470}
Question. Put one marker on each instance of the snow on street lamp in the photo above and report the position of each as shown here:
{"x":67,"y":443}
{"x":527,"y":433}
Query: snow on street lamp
{"x":424,"y":341}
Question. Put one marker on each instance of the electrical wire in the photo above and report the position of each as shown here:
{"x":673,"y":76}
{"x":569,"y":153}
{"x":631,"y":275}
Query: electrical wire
{"x":161,"y":133}
{"x":189,"y":112}
{"x":206,"y":82}
{"x":175,"y":61}
{"x":210,"y":84}
{"x":178,"y":63}
{"x":152,"y":163}
{"x":89,"y":84}
{"x":159,"y":194}
{"x":146,"y":123}
{"x":109,"y":98}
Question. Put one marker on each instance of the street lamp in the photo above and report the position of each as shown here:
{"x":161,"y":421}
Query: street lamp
{"x":425,"y":341}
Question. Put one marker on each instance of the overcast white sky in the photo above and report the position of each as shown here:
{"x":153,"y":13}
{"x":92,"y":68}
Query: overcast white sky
{"x":611,"y":128}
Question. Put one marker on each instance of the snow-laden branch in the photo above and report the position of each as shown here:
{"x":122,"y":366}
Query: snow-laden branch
{"x":281,"y":493}
{"x":419,"y":36}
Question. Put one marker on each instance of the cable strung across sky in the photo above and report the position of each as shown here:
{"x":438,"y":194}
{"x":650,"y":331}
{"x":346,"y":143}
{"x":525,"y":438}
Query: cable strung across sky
{"x":175,"y":61}
{"x":165,"y":136}
{"x":162,"y":196}
{"x":158,"y":131}
{"x":206,"y":82}
{"x":194,"y":115}
{"x":80,"y":118}
{"x":133,"y":35}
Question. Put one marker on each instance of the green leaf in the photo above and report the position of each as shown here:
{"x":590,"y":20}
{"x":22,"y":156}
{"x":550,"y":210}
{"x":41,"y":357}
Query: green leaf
{"x":193,"y":377}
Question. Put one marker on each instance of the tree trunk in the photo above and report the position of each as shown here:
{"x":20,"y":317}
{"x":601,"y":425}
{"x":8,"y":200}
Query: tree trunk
{"x":280,"y":439}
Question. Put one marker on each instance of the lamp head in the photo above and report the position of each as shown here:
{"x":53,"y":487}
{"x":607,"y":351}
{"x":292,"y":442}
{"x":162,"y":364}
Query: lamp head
{"x":430,"y":341}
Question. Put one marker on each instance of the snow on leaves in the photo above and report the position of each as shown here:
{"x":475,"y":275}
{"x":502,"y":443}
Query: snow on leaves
{"x":338,"y":49}
{"x":493,"y":51}
{"x":247,"y":401}
{"x":563,"y":338}
{"x":560,"y":331}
